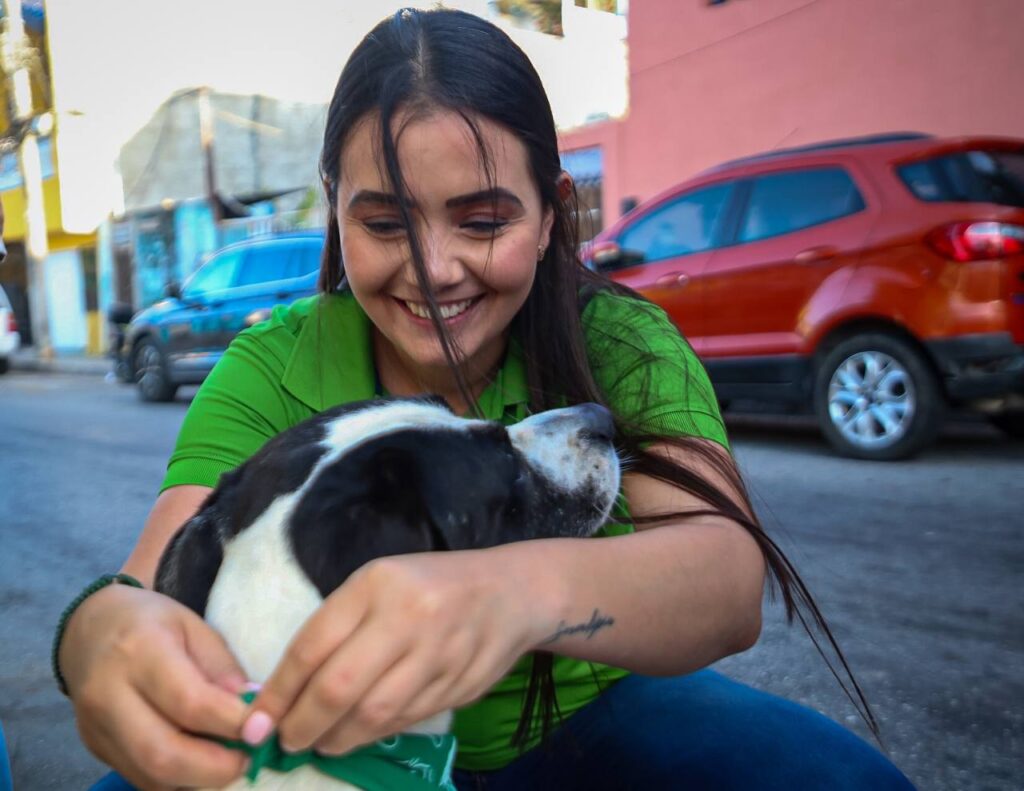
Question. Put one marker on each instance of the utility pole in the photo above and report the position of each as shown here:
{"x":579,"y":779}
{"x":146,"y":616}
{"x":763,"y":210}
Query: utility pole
{"x":206,"y":143}
{"x":16,"y":51}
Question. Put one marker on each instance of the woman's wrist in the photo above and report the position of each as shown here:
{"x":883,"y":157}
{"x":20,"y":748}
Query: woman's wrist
{"x":79,"y":625}
{"x":534,"y":577}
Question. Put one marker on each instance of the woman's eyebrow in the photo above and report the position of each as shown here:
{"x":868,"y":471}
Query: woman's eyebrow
{"x":481,"y":196}
{"x":493,"y":195}
{"x":371,"y":196}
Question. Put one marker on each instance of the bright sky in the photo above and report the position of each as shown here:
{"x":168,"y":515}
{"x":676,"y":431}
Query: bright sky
{"x":115,"y":61}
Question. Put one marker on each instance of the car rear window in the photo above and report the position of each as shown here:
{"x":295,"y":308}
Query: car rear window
{"x":968,"y":177}
{"x":784,"y":202}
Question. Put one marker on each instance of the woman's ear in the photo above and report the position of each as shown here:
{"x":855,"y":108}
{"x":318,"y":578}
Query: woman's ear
{"x":564,"y":186}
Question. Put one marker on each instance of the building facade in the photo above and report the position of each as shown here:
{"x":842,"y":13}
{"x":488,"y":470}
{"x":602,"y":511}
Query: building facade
{"x":713,"y":81}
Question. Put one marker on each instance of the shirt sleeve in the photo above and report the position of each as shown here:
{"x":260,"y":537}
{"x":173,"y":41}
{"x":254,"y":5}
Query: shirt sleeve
{"x":651,"y":376}
{"x":239,"y":406}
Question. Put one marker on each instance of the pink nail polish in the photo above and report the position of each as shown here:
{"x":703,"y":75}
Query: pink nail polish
{"x":252,"y":686}
{"x":233,"y":683}
{"x":257,"y":728}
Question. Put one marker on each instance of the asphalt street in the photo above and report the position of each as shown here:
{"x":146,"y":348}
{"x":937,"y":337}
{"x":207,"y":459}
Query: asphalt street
{"x":917,"y":565}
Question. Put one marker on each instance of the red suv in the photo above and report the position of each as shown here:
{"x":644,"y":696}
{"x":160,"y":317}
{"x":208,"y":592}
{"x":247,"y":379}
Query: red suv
{"x":873,"y":280}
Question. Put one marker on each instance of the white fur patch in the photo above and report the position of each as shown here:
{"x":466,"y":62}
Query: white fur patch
{"x":551,"y":443}
{"x":347,"y":431}
{"x":261,"y":596}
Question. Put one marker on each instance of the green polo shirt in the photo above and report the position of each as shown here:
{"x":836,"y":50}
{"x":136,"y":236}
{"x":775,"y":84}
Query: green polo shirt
{"x":317,"y":353}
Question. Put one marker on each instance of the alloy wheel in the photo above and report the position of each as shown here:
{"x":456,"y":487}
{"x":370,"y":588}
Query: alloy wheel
{"x":871,"y":399}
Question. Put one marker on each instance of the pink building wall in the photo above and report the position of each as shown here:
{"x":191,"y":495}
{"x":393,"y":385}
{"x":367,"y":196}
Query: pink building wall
{"x":712,"y":83}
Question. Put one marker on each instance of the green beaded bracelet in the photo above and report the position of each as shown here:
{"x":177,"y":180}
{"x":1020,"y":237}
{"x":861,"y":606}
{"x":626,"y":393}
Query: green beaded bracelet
{"x":99,"y":584}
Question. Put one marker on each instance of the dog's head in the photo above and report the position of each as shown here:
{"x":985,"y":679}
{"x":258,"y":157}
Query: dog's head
{"x":389,"y":477}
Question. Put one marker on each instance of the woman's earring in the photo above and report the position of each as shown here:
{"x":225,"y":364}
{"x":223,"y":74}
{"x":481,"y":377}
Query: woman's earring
{"x":540,"y":252}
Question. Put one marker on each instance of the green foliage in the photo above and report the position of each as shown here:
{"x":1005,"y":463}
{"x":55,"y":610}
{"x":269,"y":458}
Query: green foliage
{"x":546,"y":15}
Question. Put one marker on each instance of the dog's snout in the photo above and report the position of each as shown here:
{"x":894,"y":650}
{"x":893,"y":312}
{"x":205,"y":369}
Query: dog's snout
{"x":598,"y":423}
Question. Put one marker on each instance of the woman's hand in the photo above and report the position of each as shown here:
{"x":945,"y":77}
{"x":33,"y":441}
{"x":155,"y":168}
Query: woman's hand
{"x":404,"y":638}
{"x":144,"y":674}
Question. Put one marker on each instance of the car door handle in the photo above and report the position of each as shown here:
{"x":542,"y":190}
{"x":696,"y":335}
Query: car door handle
{"x":812,"y":255}
{"x":673,"y":279}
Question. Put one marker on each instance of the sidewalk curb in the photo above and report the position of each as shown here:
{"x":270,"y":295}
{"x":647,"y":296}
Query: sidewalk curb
{"x":27,"y":360}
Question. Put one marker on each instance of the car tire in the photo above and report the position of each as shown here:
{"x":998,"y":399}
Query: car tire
{"x":151,"y":373}
{"x":5,"y":365}
{"x":877,"y":398}
{"x":1010,"y":423}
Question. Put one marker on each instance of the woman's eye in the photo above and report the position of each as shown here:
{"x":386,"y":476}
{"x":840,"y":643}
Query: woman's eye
{"x":484,"y":226}
{"x":384,"y":227}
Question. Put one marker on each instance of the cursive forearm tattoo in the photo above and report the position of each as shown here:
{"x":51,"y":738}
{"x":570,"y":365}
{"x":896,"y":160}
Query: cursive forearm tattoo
{"x":596,"y":623}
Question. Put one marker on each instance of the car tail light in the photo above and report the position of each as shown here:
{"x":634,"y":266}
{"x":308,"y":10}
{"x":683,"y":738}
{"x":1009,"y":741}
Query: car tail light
{"x":12,"y":324}
{"x":977,"y":241}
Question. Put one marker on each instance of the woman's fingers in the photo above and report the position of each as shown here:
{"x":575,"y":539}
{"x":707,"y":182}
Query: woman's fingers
{"x":153,"y":754}
{"x":339,"y":685}
{"x":402,"y":635}
{"x":383,"y":709}
{"x":177,"y":688}
{"x":330,"y":626}
{"x":212,"y":655}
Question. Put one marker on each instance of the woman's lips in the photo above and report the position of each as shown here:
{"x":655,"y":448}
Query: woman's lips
{"x":451,"y":312}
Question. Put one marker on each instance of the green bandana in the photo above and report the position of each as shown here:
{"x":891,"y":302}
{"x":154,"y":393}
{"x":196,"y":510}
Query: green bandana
{"x":407,"y":762}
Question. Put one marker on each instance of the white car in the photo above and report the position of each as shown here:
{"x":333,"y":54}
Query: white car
{"x":9,"y":337}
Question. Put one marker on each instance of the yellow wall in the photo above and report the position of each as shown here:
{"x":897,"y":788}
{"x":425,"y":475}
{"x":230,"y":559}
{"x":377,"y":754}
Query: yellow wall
{"x":14,"y":218}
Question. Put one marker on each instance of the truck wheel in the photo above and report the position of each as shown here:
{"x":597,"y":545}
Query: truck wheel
{"x":151,"y":373}
{"x":876,"y":398}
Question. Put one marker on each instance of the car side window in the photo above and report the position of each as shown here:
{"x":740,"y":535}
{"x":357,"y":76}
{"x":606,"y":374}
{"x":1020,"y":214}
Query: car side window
{"x":264,"y":263}
{"x":215,"y":275}
{"x":689,"y":224}
{"x":784,"y":202}
{"x":305,"y":258}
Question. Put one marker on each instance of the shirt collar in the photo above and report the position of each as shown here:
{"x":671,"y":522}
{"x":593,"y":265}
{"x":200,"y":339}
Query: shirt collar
{"x":332,"y":363}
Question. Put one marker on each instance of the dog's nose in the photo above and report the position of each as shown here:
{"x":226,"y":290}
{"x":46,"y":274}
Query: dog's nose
{"x":598,"y":423}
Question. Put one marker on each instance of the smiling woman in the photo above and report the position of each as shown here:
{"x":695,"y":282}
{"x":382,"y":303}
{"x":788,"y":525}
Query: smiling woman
{"x":479,"y":243}
{"x":450,"y":265}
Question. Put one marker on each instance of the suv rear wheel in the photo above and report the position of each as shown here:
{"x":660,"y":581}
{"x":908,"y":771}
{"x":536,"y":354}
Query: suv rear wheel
{"x":876,"y":398}
{"x":151,"y":373}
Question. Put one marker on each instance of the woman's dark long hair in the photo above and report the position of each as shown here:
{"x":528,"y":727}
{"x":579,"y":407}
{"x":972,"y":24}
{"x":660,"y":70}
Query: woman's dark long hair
{"x":444,"y":60}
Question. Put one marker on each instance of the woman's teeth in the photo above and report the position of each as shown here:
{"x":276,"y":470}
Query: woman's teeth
{"x":447,"y":311}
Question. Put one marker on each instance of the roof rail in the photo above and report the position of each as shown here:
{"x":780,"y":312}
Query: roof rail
{"x":866,"y":140}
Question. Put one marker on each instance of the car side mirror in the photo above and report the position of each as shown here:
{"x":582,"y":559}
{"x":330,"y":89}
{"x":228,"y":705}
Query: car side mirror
{"x":120,"y":313}
{"x":606,"y":256}
{"x":172,"y":290}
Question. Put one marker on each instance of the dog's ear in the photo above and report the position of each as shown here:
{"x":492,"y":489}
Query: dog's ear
{"x":191,"y":561}
{"x":395,"y":495}
{"x":457,"y":485}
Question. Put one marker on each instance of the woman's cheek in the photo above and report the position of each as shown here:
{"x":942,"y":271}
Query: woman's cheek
{"x":512,"y":266}
{"x":369,"y":266}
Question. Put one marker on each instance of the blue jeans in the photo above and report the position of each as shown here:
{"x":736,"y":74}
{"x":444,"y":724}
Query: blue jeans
{"x":700,"y":731}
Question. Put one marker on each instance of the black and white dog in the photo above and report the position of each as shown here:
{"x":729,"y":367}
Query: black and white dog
{"x":372,"y":479}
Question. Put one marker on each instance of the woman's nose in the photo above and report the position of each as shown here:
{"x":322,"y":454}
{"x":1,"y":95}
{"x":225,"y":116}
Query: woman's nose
{"x":441,"y":261}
